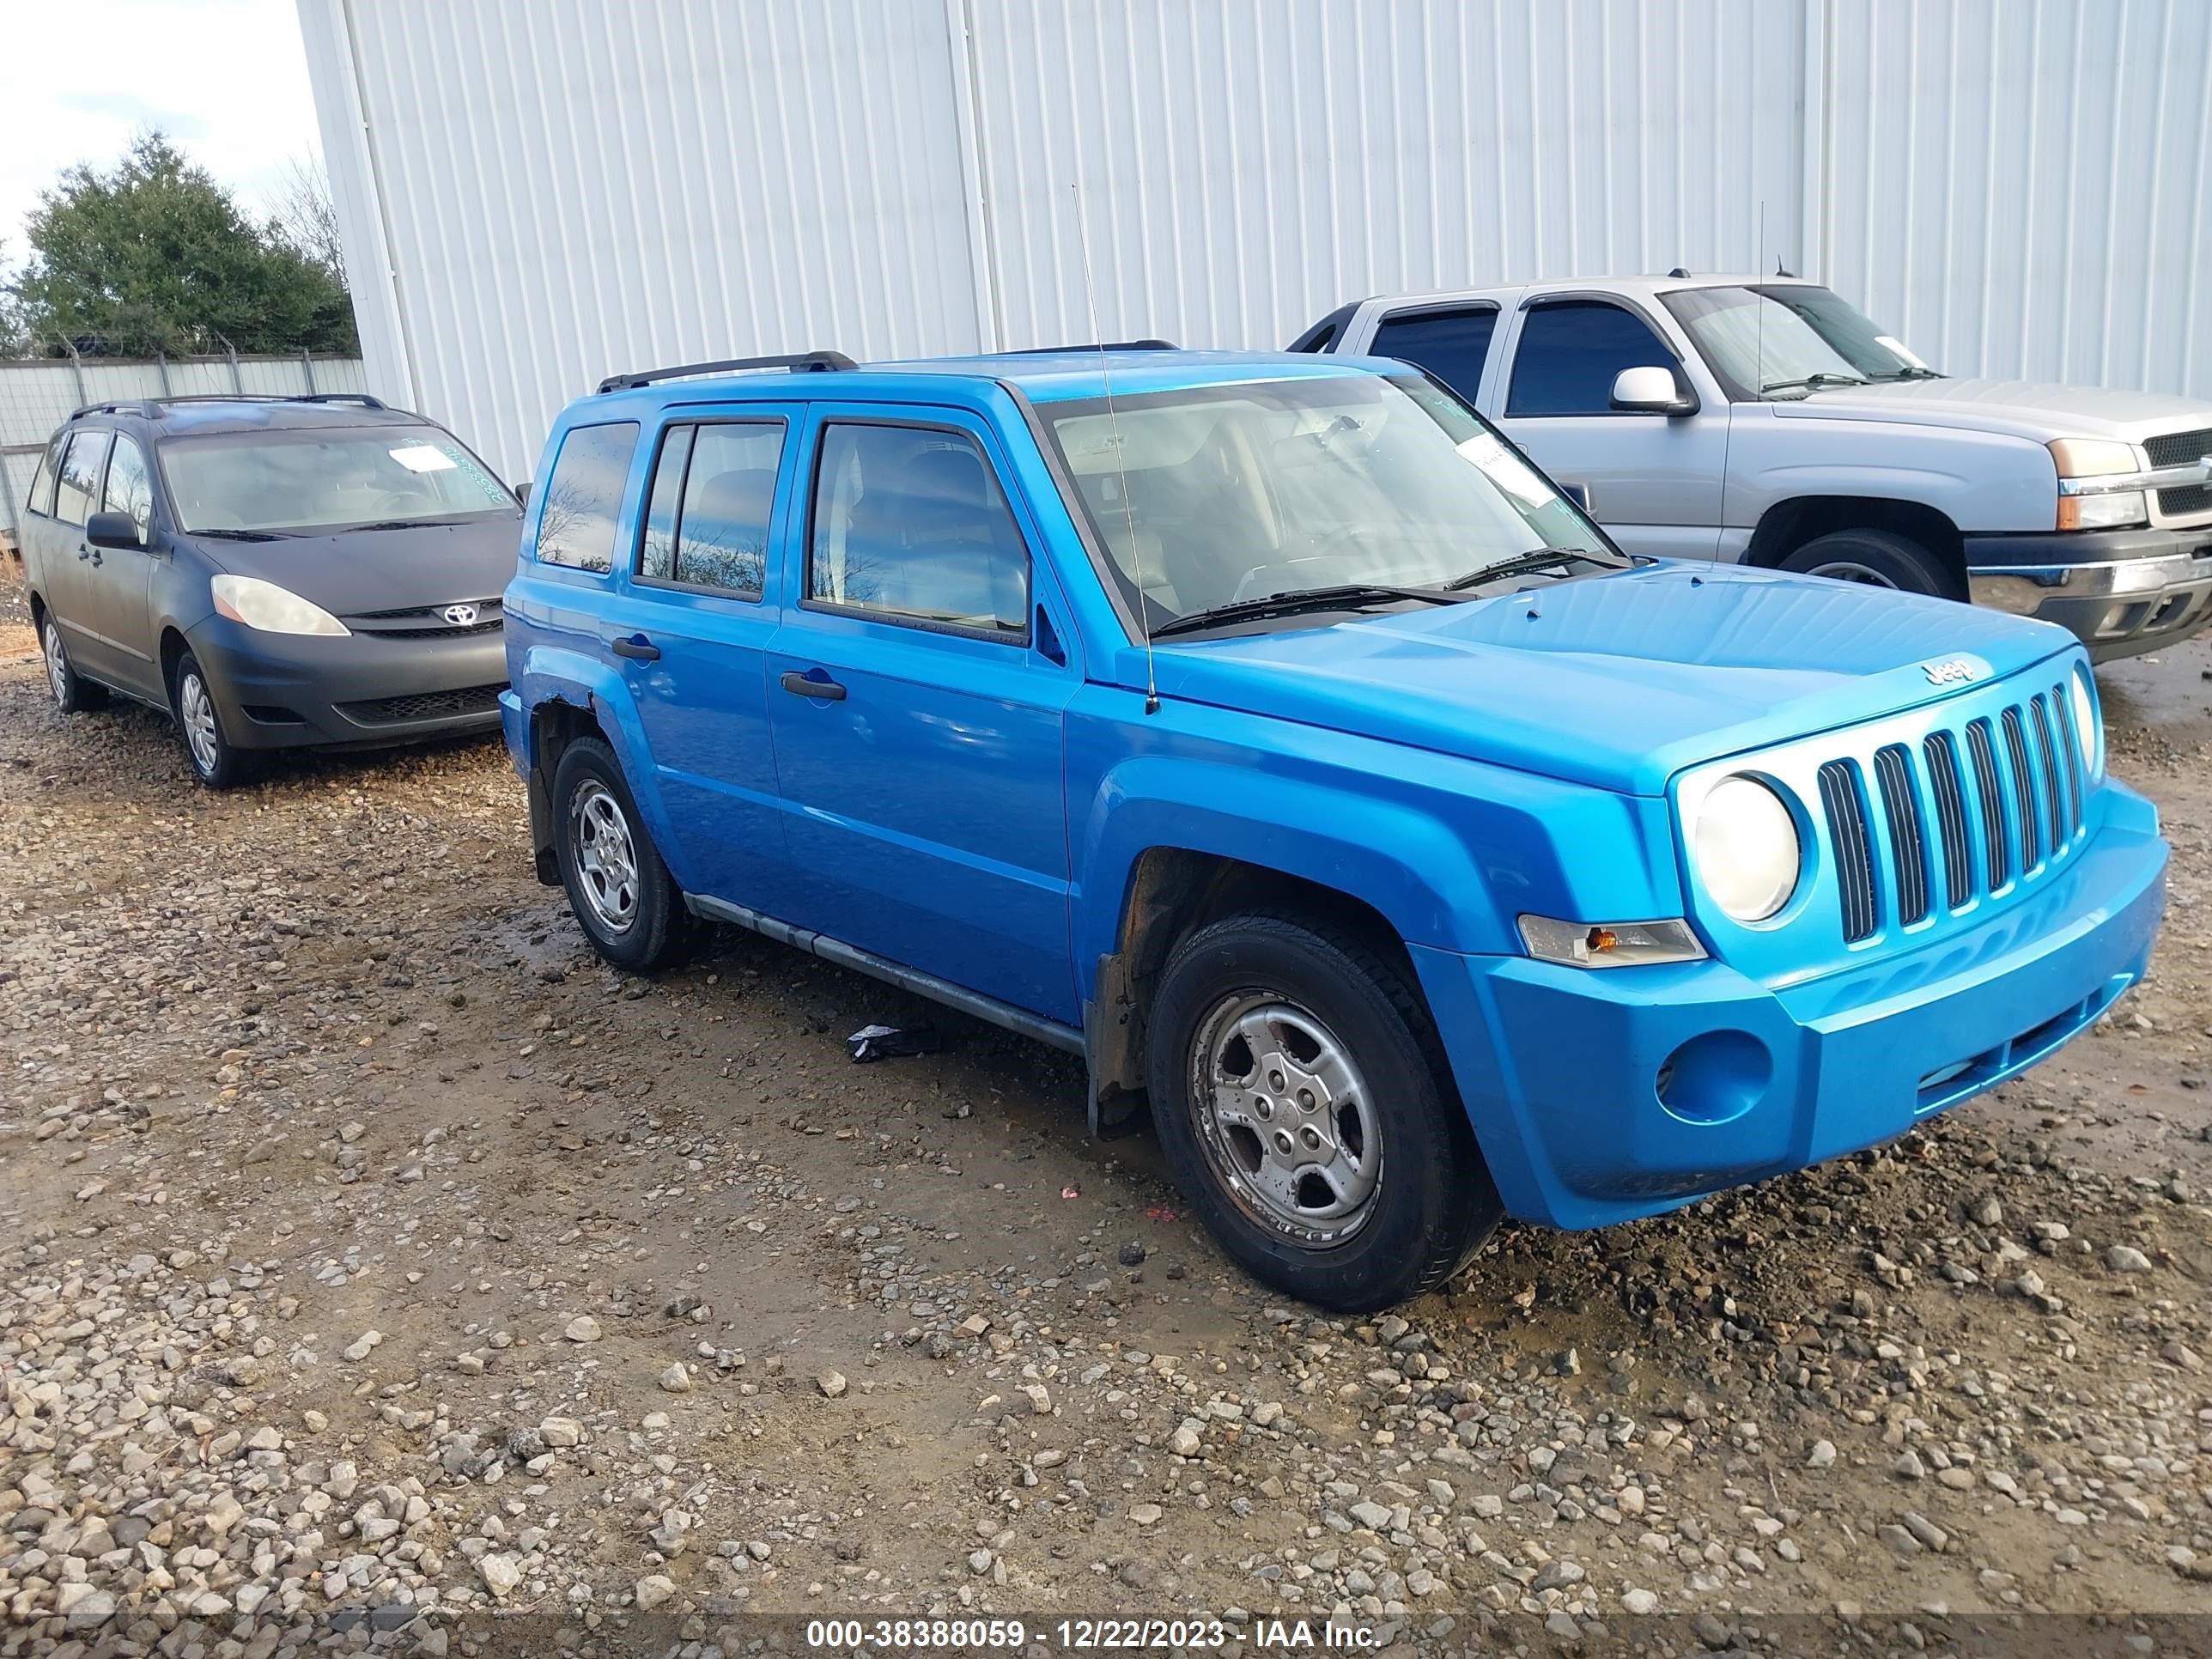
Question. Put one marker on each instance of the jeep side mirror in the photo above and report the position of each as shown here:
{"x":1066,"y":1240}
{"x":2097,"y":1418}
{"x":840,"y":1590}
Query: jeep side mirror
{"x":111,"y":530}
{"x":522,"y":494}
{"x":1650,"y":391}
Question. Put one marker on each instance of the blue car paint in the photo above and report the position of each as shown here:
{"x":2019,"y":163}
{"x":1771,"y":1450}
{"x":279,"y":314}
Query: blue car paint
{"x":980,"y":813}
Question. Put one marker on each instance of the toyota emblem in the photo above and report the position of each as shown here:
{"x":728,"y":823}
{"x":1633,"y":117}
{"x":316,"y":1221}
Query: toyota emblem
{"x":461,"y":616}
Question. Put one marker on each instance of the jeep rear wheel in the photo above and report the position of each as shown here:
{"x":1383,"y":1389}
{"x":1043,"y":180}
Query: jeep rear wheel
{"x":1303,"y":1101}
{"x":620,"y":891}
{"x":1875,"y":558}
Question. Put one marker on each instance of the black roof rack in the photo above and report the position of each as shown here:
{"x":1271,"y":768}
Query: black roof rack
{"x":1098,"y":345}
{"x":152,"y":407}
{"x":813,"y":362}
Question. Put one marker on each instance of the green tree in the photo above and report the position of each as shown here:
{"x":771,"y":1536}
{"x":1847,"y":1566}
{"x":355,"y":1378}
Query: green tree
{"x":155,"y":256}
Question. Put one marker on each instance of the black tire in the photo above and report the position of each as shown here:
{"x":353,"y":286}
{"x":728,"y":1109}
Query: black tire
{"x":622,"y":894}
{"x":216,"y":762}
{"x":1433,"y":1203}
{"x":1877,"y":558}
{"x":73,"y":693}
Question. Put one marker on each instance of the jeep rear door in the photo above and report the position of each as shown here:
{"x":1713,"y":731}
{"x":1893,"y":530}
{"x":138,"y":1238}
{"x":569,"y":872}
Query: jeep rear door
{"x":917,"y":702}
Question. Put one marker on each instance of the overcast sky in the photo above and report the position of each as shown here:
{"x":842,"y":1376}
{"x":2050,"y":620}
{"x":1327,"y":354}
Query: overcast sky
{"x":225,"y":78}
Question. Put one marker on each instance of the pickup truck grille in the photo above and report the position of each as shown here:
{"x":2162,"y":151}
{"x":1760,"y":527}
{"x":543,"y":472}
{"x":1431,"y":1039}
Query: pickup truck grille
{"x":1995,"y":801}
{"x":2178,"y":449}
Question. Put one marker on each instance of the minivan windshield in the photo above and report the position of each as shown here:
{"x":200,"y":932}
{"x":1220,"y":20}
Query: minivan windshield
{"x":1211,"y":495}
{"x":1790,"y":340}
{"x":325,"y":478}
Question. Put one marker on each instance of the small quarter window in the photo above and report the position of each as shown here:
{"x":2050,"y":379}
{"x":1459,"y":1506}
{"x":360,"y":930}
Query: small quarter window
{"x":584,"y":496}
{"x":909,"y":521}
{"x":80,"y":476}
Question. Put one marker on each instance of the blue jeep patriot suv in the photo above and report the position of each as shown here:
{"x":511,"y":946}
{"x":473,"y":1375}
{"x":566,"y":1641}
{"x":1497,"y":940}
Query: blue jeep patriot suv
{"x":1265,"y":730}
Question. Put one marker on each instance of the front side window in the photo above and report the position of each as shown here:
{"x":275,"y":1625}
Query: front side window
{"x":80,"y":476}
{"x":315,"y":480}
{"x":910,"y":522}
{"x":42,"y":481}
{"x":1210,"y":495}
{"x":128,"y":490}
{"x":584,"y":496}
{"x":1571,"y":353}
{"x":1788,"y":341}
{"x":1452,"y":345}
{"x":707,"y":523}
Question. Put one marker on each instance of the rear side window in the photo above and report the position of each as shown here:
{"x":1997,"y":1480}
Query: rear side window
{"x":80,"y":476}
{"x":707,"y":523}
{"x":1452,"y":345}
{"x":908,"y":522}
{"x":584,"y":497}
{"x":129,"y":492}
{"x":42,"y":481}
{"x":1570,"y":354}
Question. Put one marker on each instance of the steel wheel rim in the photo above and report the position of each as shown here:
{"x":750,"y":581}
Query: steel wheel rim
{"x":606,"y":857}
{"x":56,"y":665}
{"x":197,"y":709}
{"x":1850,"y":570}
{"x":1284,"y":1119}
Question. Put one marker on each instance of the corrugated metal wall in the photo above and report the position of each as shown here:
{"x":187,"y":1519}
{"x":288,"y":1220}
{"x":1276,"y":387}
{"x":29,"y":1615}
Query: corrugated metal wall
{"x":533,"y":196}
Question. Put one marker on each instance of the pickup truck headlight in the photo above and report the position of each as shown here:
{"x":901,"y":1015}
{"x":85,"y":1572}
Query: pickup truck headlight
{"x":270,"y":609}
{"x":2089,"y":724}
{"x":1744,"y":845}
{"x":2100,"y":484}
{"x":1609,"y":945}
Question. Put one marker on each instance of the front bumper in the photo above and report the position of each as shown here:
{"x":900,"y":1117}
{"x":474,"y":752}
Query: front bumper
{"x":363,"y":691}
{"x":1561,"y":1068}
{"x":2120,"y":592}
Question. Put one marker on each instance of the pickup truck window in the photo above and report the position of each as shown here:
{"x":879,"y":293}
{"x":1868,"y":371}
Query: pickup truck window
{"x":707,"y":523}
{"x":908,"y":523}
{"x":1571,"y":352}
{"x":1205,"y":496}
{"x":1451,"y":344}
{"x":1788,"y":341}
{"x":583,"y":497}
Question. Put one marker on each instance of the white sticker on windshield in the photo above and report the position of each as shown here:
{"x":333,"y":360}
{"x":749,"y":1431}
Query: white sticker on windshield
{"x":423,"y":458}
{"x":1506,"y":469}
{"x":1893,"y":344}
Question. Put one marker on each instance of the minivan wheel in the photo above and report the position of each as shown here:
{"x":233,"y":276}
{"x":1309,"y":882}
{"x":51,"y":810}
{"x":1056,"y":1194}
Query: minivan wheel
{"x":214,"y":762}
{"x":1305,"y":1106}
{"x":620,"y":891}
{"x":73,"y":693}
{"x":1875,"y":558}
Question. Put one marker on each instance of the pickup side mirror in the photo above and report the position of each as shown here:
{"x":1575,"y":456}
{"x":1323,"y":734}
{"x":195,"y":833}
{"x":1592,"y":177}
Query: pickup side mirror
{"x":112,"y":530}
{"x":1651,"y":391}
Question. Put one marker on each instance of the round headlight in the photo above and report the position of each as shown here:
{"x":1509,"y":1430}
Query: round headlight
{"x":2088,"y":726}
{"x":1744,"y":847}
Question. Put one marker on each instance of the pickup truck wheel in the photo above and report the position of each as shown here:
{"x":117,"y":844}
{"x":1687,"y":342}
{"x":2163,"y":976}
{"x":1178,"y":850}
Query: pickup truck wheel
{"x":1309,"y":1117}
{"x":617,"y":886}
{"x":1875,"y":558}
{"x":73,"y":693}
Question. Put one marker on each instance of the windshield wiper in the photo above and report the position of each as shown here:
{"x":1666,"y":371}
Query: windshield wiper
{"x":243,"y":535}
{"x":1346,"y":596}
{"x":1811,"y":383}
{"x":1542,"y":559}
{"x":1913,"y":374}
{"x":394,"y":524}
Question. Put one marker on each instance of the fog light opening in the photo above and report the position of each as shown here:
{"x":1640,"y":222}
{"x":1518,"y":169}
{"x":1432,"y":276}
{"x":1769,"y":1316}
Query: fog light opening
{"x":1714,"y":1079}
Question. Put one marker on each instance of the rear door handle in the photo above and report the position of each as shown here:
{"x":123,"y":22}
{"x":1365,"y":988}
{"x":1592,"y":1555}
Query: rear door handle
{"x":807,"y":686}
{"x":638,"y":647}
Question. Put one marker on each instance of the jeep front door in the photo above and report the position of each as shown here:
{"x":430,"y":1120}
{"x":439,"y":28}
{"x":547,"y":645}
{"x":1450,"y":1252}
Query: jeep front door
{"x":1654,"y":480}
{"x":918,"y":686}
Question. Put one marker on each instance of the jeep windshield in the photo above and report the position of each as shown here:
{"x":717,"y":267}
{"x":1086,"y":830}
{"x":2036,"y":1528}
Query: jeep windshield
{"x":1332,"y":489}
{"x":1785,"y":341}
{"x":321,"y":479}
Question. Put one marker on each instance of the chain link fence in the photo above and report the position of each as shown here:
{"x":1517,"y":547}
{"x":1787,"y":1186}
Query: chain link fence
{"x":37,"y":394}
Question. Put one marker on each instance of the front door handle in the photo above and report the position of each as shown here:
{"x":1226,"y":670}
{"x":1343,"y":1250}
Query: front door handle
{"x":806,"y":685}
{"x":638,"y":649}
{"x":88,"y":552}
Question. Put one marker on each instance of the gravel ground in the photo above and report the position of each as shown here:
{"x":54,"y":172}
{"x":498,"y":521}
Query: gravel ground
{"x":377,"y":1268}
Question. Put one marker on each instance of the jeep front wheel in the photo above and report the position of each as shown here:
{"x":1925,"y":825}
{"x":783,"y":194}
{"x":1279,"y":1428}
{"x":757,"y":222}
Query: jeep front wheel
{"x":1303,"y":1101}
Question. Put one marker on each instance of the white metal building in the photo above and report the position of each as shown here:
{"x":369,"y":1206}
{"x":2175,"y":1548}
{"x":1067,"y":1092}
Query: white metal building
{"x":535,"y":193}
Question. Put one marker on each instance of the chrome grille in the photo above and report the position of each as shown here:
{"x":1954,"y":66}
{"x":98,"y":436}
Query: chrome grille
{"x":2179,"y":449}
{"x":1976,"y":809}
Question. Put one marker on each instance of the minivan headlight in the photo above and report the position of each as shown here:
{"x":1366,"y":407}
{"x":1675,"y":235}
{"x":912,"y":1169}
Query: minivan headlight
{"x":270,"y":609}
{"x":2089,"y":724}
{"x":1744,"y":845}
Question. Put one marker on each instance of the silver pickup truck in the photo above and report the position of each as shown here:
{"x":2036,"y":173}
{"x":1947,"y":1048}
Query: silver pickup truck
{"x":1766,"y":420}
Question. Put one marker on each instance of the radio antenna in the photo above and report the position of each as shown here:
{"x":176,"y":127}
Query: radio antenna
{"x":1120,"y":466}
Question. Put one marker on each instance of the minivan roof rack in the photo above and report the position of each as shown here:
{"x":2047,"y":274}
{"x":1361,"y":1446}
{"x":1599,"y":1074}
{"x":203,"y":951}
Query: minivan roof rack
{"x":152,"y":407}
{"x":1096,"y":345}
{"x":812,"y":361}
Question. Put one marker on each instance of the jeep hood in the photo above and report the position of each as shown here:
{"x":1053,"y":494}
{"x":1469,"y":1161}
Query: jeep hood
{"x":1618,"y":681}
{"x":2026,"y":409}
{"x":353,"y":573}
